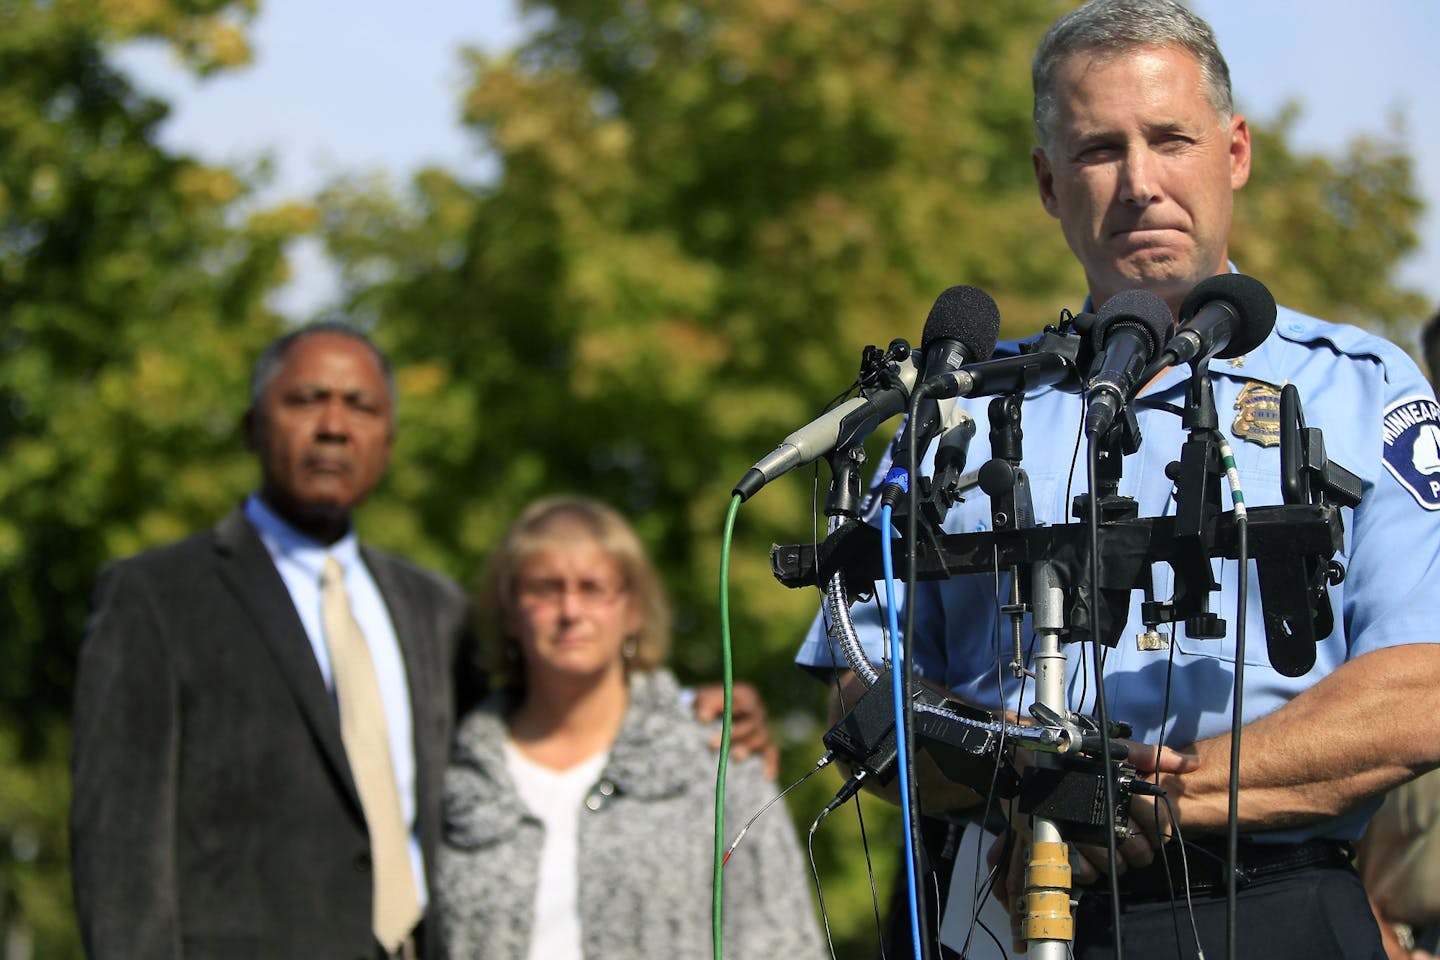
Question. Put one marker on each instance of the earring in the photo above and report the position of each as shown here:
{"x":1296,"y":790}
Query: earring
{"x":628,"y":649}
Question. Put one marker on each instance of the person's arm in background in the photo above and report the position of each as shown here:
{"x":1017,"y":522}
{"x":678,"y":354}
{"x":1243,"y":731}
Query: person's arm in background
{"x":749,"y":729}
{"x":126,"y":743}
{"x":1394,"y":949}
{"x":1399,"y":862}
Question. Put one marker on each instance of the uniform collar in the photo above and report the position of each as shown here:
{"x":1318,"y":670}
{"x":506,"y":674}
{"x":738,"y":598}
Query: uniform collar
{"x":1264,"y":363}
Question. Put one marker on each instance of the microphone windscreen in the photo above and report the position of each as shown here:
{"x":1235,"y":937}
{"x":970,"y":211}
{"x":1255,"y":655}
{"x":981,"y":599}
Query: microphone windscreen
{"x":1248,"y":296}
{"x":967,"y":315}
{"x":1137,"y":308}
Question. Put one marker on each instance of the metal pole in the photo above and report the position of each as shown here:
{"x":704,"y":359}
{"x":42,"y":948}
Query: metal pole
{"x":1047,"y":922}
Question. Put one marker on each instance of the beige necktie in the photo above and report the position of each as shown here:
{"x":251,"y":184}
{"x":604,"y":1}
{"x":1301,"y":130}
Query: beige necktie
{"x":367,"y":746}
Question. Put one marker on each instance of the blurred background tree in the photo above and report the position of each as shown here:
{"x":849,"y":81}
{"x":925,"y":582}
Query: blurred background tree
{"x":131,"y":303}
{"x":702,"y":211}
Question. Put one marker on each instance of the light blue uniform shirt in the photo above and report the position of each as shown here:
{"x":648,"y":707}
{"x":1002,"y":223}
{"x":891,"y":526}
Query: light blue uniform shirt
{"x":1380,"y":422}
{"x":299,"y":561}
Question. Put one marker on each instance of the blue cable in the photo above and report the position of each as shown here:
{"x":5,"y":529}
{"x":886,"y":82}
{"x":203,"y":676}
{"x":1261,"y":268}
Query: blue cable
{"x":902,"y":758}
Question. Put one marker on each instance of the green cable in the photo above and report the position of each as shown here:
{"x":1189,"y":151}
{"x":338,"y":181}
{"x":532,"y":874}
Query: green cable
{"x":717,"y":910}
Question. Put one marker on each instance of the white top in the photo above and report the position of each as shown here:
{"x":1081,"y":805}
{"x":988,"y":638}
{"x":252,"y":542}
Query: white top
{"x":556,"y":798}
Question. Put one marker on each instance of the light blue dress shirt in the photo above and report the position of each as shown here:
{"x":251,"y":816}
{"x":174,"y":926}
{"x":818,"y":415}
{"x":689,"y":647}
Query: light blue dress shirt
{"x":299,"y":561}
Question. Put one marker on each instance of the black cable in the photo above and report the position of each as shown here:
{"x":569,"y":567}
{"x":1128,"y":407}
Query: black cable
{"x":859,"y":816}
{"x":1069,"y":491}
{"x":1159,"y":836}
{"x":1232,"y":818}
{"x":1185,"y":874}
{"x":848,"y":790}
{"x":819,"y":889}
{"x":870,"y":875}
{"x":825,"y":760}
{"x":913,"y":833}
{"x":983,"y":890}
{"x":1091,"y":470}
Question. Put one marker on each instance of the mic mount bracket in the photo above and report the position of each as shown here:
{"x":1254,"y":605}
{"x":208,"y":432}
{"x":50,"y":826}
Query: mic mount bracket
{"x":880,"y":369}
{"x":1278,"y":536}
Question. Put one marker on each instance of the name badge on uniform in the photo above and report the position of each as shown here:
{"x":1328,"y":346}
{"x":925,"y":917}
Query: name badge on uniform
{"x":1411,"y":429}
{"x":1259,"y":418}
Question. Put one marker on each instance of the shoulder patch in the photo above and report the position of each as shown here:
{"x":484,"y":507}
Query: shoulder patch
{"x":1411,"y":430}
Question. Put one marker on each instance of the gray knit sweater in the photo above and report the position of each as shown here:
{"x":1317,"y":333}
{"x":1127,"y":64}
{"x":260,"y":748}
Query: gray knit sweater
{"x":646,"y":848}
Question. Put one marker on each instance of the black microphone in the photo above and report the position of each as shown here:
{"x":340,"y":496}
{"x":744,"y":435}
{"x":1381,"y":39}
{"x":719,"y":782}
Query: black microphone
{"x":962,"y":328}
{"x":1128,"y":332}
{"x":1225,"y":316}
{"x":1040,"y":368}
{"x":852,"y":420}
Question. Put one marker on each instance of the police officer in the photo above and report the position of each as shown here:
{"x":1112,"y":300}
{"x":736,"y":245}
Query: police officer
{"x":1140,"y":152}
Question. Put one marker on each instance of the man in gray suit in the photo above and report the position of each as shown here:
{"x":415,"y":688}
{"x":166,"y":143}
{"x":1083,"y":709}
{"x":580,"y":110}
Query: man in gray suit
{"x":215,"y":811}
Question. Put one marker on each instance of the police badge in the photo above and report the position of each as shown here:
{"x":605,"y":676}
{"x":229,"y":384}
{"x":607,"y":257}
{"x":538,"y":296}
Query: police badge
{"x":1259,"y":418}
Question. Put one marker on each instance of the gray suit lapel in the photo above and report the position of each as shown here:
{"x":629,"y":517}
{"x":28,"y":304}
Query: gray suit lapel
{"x":246,"y":567}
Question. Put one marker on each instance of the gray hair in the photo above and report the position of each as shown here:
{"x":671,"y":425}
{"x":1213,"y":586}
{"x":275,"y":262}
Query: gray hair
{"x":1120,"y":25}
{"x":272,"y":358}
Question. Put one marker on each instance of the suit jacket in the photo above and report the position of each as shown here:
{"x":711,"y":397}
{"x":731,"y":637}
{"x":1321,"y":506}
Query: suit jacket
{"x":214,"y":813}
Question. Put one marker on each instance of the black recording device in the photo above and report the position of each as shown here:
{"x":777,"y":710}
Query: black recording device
{"x":964,"y":741}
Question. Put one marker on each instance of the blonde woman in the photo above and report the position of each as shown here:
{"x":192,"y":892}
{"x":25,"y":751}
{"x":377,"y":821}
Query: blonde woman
{"x":579,"y":800}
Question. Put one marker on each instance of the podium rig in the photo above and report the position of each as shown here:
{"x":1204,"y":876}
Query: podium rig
{"x":1074,"y":580}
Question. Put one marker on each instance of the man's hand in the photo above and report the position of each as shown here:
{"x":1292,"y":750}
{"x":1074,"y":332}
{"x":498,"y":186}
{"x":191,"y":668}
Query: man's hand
{"x":1150,"y":818}
{"x":749,"y":733}
{"x":1089,"y":863}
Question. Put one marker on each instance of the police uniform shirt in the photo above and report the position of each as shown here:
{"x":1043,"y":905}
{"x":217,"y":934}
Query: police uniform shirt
{"x":1379,"y":420}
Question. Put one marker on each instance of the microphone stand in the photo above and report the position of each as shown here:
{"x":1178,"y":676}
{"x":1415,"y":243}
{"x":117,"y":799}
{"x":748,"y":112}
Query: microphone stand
{"x":1047,"y":923}
{"x":1104,"y":465}
{"x":1197,"y":505}
{"x":842,"y":507}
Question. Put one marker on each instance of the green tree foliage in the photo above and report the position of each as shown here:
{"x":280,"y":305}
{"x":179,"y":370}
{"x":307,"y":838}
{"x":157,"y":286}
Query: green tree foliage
{"x":1325,"y":233}
{"x":131,"y":304}
{"x":700,"y":213}
{"x":704,"y":211}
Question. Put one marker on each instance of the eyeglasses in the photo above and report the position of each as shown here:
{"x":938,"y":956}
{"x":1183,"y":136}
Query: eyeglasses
{"x":551,"y":591}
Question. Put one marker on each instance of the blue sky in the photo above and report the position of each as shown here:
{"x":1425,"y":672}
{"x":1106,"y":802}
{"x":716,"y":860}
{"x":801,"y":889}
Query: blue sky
{"x":377,"y":87}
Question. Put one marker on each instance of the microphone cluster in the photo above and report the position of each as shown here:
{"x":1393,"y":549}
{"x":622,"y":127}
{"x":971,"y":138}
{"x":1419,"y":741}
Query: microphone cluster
{"x":963,"y":325}
{"x":1133,"y":336}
